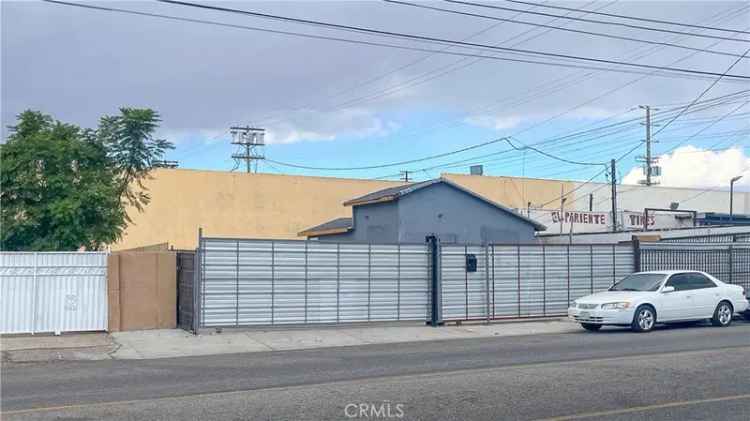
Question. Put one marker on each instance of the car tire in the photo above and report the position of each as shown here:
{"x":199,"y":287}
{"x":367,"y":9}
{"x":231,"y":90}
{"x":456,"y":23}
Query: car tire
{"x":590,"y":326}
{"x":723,"y":314}
{"x":644,"y":319}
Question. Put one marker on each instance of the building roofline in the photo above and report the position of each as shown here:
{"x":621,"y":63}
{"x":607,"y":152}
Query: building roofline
{"x":363,"y":200}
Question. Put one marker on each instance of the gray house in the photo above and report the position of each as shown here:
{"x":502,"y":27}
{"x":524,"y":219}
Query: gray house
{"x":411,"y":212}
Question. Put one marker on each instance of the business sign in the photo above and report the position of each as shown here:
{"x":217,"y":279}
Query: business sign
{"x":584,"y":221}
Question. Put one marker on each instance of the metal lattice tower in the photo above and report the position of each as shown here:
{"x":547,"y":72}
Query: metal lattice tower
{"x":252,"y":141}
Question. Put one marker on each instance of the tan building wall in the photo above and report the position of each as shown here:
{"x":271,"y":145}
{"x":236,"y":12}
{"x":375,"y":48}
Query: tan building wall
{"x":516,"y":192}
{"x":279,"y":206}
{"x":237,"y":205}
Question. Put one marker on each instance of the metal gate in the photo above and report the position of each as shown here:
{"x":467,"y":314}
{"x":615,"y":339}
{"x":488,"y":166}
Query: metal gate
{"x":246,"y":282}
{"x":185,"y":297}
{"x":730,"y":262}
{"x":53,"y":292}
{"x":526,"y":280}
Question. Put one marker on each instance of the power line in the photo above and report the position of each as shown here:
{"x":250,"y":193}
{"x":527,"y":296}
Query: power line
{"x":392,"y":164}
{"x":525,"y":147}
{"x":613,"y":15}
{"x":627,"y":25}
{"x":568,"y":137}
{"x":682,"y":73}
{"x":702,"y":93}
{"x":439,"y":40}
{"x":578,"y":31}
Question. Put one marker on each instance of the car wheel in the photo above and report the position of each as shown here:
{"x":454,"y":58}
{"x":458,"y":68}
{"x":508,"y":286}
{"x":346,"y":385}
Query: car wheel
{"x":590,"y":326}
{"x":644,"y":319}
{"x":722,"y":315}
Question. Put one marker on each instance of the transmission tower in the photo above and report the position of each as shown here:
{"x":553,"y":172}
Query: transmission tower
{"x":252,"y":141}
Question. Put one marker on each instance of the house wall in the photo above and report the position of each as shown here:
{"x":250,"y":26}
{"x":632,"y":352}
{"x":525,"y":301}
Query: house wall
{"x":455,"y":216}
{"x":374,"y":223}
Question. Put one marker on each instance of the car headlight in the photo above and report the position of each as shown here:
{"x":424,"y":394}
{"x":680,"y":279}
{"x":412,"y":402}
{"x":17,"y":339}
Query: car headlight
{"x":616,"y":306}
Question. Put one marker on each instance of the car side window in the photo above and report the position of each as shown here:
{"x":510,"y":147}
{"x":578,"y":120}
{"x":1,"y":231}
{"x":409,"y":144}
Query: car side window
{"x":680,"y":282}
{"x":699,"y":281}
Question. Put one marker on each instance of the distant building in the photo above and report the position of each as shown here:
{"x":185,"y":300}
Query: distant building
{"x":411,"y":212}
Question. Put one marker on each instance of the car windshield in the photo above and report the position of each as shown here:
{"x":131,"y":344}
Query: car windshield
{"x":639,"y":282}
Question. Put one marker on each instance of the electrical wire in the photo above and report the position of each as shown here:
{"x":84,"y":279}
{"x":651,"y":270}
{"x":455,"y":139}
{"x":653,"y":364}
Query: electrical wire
{"x":558,"y":28}
{"x":415,"y":37}
{"x":677,"y":72}
{"x":667,"y":22}
{"x":392,"y":164}
{"x":702,"y":93}
{"x":627,"y":25}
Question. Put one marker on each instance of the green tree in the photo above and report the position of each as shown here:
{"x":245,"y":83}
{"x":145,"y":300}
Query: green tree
{"x":63,"y":187}
{"x":133,"y":149}
{"x":58,"y":188}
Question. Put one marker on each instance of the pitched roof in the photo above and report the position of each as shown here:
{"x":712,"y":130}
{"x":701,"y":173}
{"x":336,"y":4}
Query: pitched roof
{"x":394,"y":193}
{"x":335,"y":226}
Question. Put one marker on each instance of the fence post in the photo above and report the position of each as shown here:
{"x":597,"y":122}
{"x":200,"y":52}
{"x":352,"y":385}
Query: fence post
{"x":731,"y":265}
{"x":436,"y":317}
{"x":636,"y":254}
{"x":197,"y":283}
{"x":237,"y":288}
{"x":487,"y":279}
{"x":35,"y":308}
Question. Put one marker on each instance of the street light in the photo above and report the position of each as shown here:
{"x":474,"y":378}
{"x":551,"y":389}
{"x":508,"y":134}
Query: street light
{"x":731,"y":197}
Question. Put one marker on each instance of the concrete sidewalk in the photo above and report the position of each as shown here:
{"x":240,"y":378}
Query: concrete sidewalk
{"x":168,"y":343}
{"x":48,"y":347}
{"x":178,"y":343}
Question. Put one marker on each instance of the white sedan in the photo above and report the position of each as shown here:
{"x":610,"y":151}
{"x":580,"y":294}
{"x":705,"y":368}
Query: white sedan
{"x":643,"y":299}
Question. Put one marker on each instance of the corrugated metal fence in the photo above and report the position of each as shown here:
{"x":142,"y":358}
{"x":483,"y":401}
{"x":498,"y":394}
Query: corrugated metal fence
{"x":245,"y":282}
{"x":271,"y":282}
{"x":730,"y":262}
{"x":53,"y":292}
{"x":526,"y":280}
{"x":710,"y":238}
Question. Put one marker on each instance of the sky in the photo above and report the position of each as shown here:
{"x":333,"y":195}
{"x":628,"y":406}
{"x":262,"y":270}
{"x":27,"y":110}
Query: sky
{"x":333,"y":104}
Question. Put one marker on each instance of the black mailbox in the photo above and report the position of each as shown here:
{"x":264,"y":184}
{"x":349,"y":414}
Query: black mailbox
{"x":471,"y":263}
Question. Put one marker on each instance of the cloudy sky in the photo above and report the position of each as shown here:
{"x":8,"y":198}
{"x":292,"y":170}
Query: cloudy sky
{"x":331,"y":103}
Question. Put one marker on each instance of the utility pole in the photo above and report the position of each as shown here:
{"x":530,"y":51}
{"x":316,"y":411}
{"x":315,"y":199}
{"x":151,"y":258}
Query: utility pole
{"x":405,"y":176}
{"x":252,"y":140}
{"x":731,"y":197}
{"x":649,"y":169}
{"x":613,"y":180}
{"x":591,"y":202}
{"x":562,"y":207}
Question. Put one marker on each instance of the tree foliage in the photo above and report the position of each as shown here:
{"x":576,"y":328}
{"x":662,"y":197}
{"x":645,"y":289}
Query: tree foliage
{"x":63,"y":187}
{"x":132,"y":148}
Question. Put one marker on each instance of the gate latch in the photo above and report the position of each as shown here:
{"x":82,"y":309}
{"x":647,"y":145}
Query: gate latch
{"x":471,"y":263}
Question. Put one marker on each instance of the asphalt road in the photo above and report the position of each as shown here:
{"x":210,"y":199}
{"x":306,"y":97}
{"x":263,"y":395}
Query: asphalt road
{"x":674,"y":373}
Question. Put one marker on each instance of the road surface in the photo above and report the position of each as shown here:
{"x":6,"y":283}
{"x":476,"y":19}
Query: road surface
{"x":672,"y":373}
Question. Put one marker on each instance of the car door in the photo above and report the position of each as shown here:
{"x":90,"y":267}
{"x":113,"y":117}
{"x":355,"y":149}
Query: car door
{"x":705,"y":294}
{"x":676,"y":305}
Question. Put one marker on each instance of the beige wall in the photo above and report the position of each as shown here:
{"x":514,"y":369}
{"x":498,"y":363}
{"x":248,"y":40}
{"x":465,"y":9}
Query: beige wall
{"x":142,"y":290}
{"x":515,"y":192}
{"x":232,"y":204}
{"x":237,"y":205}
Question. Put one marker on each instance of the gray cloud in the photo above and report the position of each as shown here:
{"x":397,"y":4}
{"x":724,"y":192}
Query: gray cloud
{"x":79,"y":64}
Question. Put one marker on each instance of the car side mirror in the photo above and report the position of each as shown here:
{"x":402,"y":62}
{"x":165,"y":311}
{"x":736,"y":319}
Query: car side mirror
{"x":667,"y":289}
